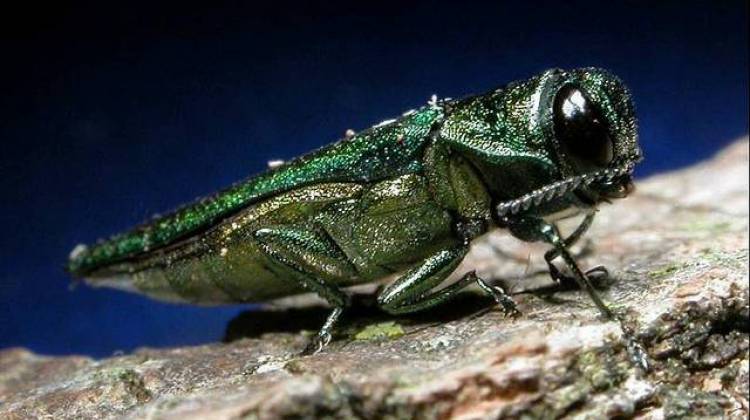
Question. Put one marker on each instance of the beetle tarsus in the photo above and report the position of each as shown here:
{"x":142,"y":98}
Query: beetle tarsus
{"x":323,"y":337}
{"x":599,"y":277}
{"x":316,"y":344}
{"x":501,"y":297}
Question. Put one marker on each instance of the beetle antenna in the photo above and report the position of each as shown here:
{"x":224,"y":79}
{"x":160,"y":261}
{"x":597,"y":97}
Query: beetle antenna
{"x":558,"y":189}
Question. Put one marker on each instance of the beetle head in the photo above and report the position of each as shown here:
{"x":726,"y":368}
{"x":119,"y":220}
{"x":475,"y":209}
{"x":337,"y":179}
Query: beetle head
{"x":589,"y":114}
{"x":558,"y":133}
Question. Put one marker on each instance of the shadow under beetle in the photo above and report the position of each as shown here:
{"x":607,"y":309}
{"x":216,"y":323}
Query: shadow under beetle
{"x":406,"y":196}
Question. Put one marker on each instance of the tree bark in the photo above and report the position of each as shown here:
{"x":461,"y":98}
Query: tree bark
{"x":678,"y":252}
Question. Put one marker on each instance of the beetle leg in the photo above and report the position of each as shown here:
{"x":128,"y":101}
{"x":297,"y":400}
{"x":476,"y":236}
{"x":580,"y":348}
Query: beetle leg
{"x":532,"y":229}
{"x":597,"y":275}
{"x":552,"y":236}
{"x":310,"y":260}
{"x":413,"y":292}
{"x":582,"y":228}
{"x":498,"y":293}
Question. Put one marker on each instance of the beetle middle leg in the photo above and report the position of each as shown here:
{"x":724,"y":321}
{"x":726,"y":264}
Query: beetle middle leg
{"x":534,"y":229}
{"x":413,"y":292}
{"x":598,"y":275}
{"x":311,"y":260}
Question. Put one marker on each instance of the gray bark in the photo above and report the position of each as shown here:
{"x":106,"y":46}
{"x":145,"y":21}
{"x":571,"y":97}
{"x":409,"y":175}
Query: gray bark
{"x":678,"y":250}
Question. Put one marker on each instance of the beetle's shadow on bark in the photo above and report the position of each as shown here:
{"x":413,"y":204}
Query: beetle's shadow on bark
{"x":364,"y":311}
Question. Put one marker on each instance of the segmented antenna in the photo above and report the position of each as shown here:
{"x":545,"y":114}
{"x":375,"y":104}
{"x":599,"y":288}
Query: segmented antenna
{"x":558,"y":189}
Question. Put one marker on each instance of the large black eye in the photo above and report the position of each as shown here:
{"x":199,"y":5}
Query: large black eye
{"x":580,"y":128}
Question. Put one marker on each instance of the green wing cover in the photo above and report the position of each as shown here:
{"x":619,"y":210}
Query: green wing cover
{"x":385,"y":150}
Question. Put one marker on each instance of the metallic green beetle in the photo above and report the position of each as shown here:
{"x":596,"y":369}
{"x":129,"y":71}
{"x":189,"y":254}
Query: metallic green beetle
{"x":406,"y":196}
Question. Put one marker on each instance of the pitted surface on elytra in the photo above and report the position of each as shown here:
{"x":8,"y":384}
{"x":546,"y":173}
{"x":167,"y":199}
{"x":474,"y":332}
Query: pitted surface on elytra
{"x":382,"y":151}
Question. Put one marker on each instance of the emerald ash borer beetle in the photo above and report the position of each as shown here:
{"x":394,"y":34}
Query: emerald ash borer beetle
{"x":406,"y":197}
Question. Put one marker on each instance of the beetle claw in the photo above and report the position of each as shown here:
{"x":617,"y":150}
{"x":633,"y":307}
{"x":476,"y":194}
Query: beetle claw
{"x":599,"y":276}
{"x":501,"y":297}
{"x":317,"y":343}
{"x":510,"y":309}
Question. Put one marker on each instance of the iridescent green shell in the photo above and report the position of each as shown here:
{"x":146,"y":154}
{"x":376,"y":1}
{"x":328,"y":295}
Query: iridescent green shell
{"x":383,"y":151}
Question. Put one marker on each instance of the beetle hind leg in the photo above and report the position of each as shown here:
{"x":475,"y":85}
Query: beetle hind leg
{"x":500,"y":295}
{"x":313,"y":261}
{"x":323,"y":337}
{"x":413,"y":291}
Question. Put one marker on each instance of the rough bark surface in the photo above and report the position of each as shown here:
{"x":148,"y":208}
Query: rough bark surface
{"x":678,"y":250}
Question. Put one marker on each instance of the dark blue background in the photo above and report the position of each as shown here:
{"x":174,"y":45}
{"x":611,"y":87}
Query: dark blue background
{"x":109,"y":114}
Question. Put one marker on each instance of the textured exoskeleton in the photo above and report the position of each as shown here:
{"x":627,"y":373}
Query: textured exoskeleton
{"x":406,"y":196}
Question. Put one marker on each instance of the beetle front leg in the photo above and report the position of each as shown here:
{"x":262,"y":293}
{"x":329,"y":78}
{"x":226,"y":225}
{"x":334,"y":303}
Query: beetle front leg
{"x":574,"y":237}
{"x":413,"y":292}
{"x":532,"y":229}
{"x":308,"y":258}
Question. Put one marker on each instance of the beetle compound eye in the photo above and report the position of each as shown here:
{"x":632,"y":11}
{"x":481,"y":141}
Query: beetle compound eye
{"x":580,"y":127}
